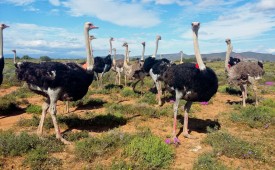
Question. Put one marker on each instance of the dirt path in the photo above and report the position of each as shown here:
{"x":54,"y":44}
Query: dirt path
{"x":189,"y":149}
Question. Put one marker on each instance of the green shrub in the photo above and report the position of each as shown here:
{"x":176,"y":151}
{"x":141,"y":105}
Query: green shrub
{"x":150,"y":152}
{"x":17,"y":145}
{"x":74,"y":136}
{"x":34,"y":109}
{"x":230,"y":146}
{"x":149,"y":98}
{"x":208,"y":161}
{"x":34,"y":122}
{"x":88,"y":149}
{"x":39,"y":159}
{"x":128,"y":92}
{"x":255,"y":116}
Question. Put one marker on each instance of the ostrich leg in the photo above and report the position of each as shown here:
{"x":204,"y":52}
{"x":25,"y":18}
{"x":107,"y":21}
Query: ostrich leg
{"x":243,"y":94}
{"x":185,"y":123}
{"x":254,"y":87}
{"x":119,"y":77}
{"x":158,"y":85}
{"x":176,"y":106}
{"x":45,"y":108}
{"x":53,"y":101}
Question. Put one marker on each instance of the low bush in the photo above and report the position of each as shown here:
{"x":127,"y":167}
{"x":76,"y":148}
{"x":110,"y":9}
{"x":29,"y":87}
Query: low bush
{"x":208,"y":161}
{"x":149,"y":152}
{"x":230,"y":146}
{"x":255,"y":116}
{"x":34,"y":109}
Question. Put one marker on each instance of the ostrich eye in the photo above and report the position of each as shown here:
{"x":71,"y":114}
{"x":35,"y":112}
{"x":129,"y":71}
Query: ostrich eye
{"x":192,"y":24}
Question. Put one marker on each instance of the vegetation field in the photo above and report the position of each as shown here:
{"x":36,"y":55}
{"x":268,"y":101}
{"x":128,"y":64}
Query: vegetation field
{"x":116,"y":128}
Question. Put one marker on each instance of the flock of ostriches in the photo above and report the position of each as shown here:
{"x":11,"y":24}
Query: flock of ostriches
{"x":193,"y":82}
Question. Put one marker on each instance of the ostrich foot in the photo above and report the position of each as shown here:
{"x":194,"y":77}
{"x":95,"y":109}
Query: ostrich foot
{"x":186,"y":135}
{"x":65,"y":141}
{"x":39,"y":131}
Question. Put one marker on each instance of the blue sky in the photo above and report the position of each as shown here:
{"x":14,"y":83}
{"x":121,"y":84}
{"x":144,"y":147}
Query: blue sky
{"x":55,"y":27}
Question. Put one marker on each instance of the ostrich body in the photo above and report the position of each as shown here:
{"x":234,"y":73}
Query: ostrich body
{"x":117,"y":67}
{"x":103,"y":65}
{"x":191,"y":83}
{"x":2,"y":62}
{"x":243,"y":73}
{"x":58,"y":81}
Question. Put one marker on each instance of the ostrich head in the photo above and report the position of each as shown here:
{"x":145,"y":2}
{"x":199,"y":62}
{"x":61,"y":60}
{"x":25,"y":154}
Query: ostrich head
{"x":89,"y":26}
{"x":13,"y":51}
{"x":143,"y":43}
{"x":158,"y":37}
{"x":125,"y":44}
{"x":91,"y":37}
{"x":195,"y":27}
{"x":3,"y":26}
{"x":228,"y":41}
{"x":111,"y":39}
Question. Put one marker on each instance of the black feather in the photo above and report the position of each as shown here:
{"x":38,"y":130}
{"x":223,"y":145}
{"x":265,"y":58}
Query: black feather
{"x":2,"y":64}
{"x":102,"y":65}
{"x":71,"y":78}
{"x":202,"y":84}
{"x":233,"y":61}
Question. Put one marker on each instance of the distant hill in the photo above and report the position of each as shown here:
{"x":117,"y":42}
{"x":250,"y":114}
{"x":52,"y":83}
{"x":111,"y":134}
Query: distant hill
{"x":219,"y":56}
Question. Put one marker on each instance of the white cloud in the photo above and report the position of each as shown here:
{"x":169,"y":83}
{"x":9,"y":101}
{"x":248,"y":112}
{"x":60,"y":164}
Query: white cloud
{"x":240,"y":23}
{"x":31,"y":8}
{"x":55,"y":2}
{"x":18,"y":2}
{"x":266,"y":4}
{"x":117,"y":12}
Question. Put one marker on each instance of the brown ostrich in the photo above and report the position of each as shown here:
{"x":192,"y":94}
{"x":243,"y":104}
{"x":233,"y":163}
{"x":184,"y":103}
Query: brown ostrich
{"x":243,"y":74}
{"x":117,"y":67}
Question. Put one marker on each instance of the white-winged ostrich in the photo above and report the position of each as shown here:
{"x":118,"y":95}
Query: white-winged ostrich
{"x":58,"y":81}
{"x":117,"y":67}
{"x":2,"y":61}
{"x":181,"y":57}
{"x":191,"y":82}
{"x":244,"y":73}
{"x":103,"y":65}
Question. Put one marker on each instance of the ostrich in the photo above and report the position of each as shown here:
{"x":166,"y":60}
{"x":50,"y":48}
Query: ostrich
{"x":58,"y":81}
{"x":191,"y":82}
{"x":139,"y":74}
{"x":230,"y":61}
{"x":2,"y":62}
{"x":103,"y":65}
{"x":243,"y":74}
{"x":129,"y":69}
{"x":117,"y":67}
{"x":181,"y":57}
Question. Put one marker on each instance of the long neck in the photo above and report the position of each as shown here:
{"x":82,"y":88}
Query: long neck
{"x":197,"y":51}
{"x":14,"y":58}
{"x":228,"y":52}
{"x":90,"y":59}
{"x":181,"y":57}
{"x":114,"y":58}
{"x":111,"y":51}
{"x":126,"y":53}
{"x":91,"y":48}
{"x":143,"y":51}
{"x":1,"y":43}
{"x":156,"y":50}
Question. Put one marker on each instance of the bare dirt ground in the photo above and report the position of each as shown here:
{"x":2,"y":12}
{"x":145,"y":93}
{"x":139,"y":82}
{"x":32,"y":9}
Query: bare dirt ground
{"x":186,"y":153}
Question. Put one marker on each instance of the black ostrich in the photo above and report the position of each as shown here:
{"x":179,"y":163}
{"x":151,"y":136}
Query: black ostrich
{"x":191,"y":82}
{"x":2,"y":62}
{"x":103,"y":65}
{"x":58,"y":81}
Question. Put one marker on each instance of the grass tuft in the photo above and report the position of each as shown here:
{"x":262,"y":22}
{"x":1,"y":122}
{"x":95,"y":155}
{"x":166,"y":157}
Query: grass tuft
{"x":208,"y":161}
{"x":233,"y":147}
